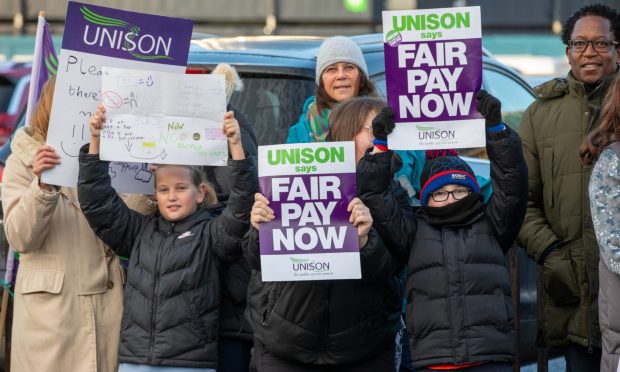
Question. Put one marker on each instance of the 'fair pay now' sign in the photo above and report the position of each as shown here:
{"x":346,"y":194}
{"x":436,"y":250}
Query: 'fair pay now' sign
{"x":309,"y":187}
{"x":433,"y":67}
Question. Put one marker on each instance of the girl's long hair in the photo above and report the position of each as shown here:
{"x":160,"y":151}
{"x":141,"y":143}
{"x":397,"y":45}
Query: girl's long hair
{"x":40,"y":120}
{"x":608,"y":131}
{"x":347,"y":119}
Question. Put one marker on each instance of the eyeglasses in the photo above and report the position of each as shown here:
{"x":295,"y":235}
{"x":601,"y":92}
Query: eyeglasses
{"x":457,"y":194}
{"x":601,"y":45}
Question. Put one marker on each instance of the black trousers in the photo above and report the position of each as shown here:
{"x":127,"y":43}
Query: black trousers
{"x":264,"y":361}
{"x":578,"y":358}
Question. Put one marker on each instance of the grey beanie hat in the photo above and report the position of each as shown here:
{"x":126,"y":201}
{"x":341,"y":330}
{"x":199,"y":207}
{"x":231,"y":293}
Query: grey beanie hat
{"x":339,"y":49}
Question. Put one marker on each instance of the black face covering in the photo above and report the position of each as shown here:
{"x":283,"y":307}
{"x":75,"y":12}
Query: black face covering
{"x":458,"y":213}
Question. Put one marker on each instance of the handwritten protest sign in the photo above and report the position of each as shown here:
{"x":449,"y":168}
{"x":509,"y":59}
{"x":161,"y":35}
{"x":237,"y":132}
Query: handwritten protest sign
{"x":163,"y":118}
{"x":433,"y":67}
{"x":96,"y":36}
{"x":309,"y":187}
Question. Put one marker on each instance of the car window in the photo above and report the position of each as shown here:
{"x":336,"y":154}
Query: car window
{"x":515,"y":97}
{"x":379,"y":81}
{"x":272,"y":104}
{"x":6,"y":92}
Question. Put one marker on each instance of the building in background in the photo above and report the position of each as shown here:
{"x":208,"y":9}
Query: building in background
{"x":521,"y":33}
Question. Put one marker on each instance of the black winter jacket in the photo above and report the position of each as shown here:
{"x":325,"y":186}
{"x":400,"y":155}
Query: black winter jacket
{"x":236,"y":274}
{"x":458,"y":289}
{"x":172,"y":295}
{"x":327,"y":322}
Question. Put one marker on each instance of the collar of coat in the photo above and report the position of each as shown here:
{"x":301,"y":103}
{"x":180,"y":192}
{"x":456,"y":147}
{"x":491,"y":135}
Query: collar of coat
{"x":201,"y":215}
{"x":559,"y":87}
{"x":24,"y":146}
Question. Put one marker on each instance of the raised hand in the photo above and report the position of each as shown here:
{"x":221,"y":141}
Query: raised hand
{"x":231,"y":130}
{"x":45,"y":158}
{"x":360,"y":217}
{"x":383,"y":124}
{"x":260,"y":211}
{"x":490,"y":107}
{"x":95,"y":124}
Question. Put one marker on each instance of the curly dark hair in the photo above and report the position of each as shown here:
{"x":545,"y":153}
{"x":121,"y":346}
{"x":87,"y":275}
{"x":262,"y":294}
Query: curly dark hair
{"x":592,"y":10}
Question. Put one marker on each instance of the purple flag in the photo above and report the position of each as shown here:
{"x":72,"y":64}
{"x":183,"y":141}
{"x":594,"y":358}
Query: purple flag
{"x":44,"y":65}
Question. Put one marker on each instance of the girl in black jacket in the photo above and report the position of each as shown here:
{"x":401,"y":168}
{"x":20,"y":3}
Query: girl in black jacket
{"x":460,"y":313}
{"x":173,"y":284}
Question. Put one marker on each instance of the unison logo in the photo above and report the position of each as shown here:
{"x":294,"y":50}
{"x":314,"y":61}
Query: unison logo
{"x":306,"y":155}
{"x":118,"y":34}
{"x":430,"y":133}
{"x":304,"y":264}
{"x":432,"y":21}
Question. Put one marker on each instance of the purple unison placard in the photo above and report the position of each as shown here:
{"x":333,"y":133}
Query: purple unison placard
{"x":127,"y":35}
{"x":433,"y":68}
{"x":440,"y":88}
{"x":95,"y":37}
{"x":309,"y":187}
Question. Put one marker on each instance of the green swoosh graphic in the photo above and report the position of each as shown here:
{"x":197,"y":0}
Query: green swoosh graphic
{"x":298,"y":260}
{"x":424,"y":129}
{"x":97,"y":19}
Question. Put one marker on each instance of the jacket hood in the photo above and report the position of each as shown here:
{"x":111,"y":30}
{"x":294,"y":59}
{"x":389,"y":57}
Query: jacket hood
{"x":560,"y":86}
{"x":24,"y":146}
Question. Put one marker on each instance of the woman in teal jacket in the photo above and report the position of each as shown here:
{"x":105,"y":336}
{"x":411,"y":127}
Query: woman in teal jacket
{"x":341,"y":73}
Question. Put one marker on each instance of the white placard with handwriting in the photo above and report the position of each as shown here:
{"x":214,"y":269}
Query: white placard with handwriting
{"x":160,"y":117}
{"x":76,"y":96}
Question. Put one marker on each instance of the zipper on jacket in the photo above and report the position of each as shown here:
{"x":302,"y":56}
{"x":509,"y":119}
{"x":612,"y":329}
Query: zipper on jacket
{"x":462,"y":237}
{"x":155,"y":288}
{"x":241,"y":327}
{"x":325,"y":322}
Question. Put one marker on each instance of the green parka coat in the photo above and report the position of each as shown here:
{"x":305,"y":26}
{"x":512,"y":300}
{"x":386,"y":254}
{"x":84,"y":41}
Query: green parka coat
{"x":558,"y":214}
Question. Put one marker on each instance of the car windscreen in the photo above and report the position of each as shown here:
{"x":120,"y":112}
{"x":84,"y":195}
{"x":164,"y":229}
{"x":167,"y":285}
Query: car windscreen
{"x":7,"y":88}
{"x":272,"y":103}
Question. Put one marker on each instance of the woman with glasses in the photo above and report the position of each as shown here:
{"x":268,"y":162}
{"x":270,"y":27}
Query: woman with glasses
{"x":353,"y":121}
{"x":460,"y":313}
{"x":338,"y":325}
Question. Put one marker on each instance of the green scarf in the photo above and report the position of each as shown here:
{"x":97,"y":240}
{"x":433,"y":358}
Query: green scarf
{"x":319,"y":128}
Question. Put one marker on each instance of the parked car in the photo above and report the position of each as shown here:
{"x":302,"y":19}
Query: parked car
{"x":14,"y":85}
{"x":278,"y":75}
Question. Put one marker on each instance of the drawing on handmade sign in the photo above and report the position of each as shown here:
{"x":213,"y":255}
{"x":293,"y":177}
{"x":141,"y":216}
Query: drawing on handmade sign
{"x":164,"y":118}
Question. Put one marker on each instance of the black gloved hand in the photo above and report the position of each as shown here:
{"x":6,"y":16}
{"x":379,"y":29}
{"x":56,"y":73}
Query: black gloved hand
{"x":383,"y":124}
{"x":490,"y":107}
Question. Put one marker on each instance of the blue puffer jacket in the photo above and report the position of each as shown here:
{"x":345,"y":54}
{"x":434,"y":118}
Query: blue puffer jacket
{"x":409,"y":174}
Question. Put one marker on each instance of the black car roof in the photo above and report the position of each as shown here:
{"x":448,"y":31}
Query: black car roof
{"x":293,"y":54}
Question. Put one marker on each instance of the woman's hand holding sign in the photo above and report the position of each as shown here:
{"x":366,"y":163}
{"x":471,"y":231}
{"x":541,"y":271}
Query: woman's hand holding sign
{"x":260,"y":211}
{"x":360,"y":218}
{"x":96,"y":123}
{"x":232,"y":132}
{"x":45,"y":158}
